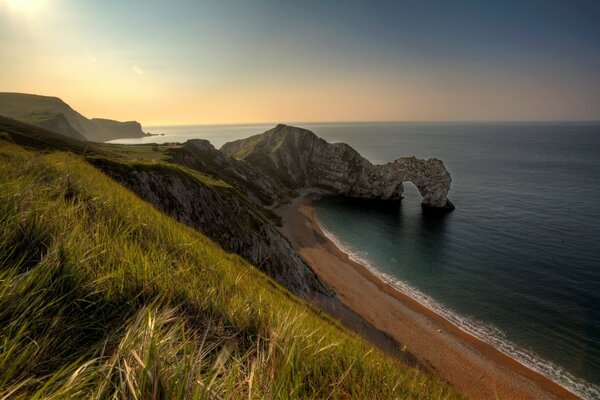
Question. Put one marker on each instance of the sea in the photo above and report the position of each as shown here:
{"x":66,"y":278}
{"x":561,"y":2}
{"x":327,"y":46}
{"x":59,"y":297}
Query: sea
{"x":517,"y":263}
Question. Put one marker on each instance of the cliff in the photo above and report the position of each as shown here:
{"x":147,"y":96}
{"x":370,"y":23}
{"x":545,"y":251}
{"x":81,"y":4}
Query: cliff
{"x":202,"y":156}
{"x":127,"y":129}
{"x":298,"y":159}
{"x":57,"y":116}
{"x":219,"y":211}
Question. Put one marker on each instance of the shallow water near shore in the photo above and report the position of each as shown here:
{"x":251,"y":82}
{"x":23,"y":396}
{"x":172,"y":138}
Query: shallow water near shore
{"x":517,"y":263}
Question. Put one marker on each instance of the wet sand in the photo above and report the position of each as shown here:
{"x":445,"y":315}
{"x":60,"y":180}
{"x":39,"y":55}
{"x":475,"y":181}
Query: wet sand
{"x":471,"y":365}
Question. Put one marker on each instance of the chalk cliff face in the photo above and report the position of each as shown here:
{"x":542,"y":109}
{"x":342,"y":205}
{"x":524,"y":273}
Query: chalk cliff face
{"x":298,"y":159}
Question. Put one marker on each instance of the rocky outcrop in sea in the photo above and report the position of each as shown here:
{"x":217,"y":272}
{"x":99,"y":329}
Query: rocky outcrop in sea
{"x":298,"y":159}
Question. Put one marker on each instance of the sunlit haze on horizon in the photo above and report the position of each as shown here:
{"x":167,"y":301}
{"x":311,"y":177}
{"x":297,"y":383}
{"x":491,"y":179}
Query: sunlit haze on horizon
{"x":185,"y":62}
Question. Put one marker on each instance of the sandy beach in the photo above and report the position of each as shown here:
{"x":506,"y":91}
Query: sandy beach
{"x":471,"y":365}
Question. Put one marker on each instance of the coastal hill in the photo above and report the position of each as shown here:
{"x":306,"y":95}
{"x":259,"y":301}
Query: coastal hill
{"x":107,"y":291}
{"x":57,"y":116}
{"x":299,"y":159}
{"x":127,"y":269}
{"x":192,"y":195}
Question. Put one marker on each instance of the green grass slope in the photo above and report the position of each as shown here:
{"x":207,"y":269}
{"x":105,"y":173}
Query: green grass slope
{"x":102,"y":296}
{"x":34,"y":109}
{"x":41,"y":139}
{"x":54,"y":114}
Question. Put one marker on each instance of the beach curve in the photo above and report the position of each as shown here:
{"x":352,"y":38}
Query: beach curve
{"x":471,"y":365}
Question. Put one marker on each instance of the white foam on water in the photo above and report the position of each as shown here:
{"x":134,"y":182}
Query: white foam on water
{"x":485,"y":332}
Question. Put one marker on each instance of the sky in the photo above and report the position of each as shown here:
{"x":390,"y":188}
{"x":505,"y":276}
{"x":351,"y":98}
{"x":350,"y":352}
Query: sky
{"x":205,"y":62}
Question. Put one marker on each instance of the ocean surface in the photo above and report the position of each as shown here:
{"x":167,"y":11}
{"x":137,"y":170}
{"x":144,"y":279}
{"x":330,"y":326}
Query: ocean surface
{"x":517,"y":263}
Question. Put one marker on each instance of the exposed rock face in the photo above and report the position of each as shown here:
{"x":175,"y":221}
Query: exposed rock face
{"x":200,"y":155}
{"x":224,"y":215}
{"x":298,"y":159}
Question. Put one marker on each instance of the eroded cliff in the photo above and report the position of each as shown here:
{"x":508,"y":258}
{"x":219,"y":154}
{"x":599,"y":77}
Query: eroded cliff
{"x":298,"y":159}
{"x":218,"y":210}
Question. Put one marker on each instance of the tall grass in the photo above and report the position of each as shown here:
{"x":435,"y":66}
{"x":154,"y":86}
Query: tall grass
{"x":103,"y":297}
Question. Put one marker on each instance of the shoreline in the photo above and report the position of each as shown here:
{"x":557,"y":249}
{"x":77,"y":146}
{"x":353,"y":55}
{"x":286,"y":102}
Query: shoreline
{"x":471,"y":365}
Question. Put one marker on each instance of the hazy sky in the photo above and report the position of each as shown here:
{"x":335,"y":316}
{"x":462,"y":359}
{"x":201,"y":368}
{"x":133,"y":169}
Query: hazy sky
{"x":276,"y":61}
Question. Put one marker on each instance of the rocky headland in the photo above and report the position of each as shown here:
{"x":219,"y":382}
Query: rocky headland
{"x":299,"y":159}
{"x":55,"y":115}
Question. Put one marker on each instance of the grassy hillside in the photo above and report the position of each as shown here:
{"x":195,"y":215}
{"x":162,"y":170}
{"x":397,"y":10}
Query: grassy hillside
{"x":54,"y":114}
{"x":41,"y":139}
{"x":102,"y":296}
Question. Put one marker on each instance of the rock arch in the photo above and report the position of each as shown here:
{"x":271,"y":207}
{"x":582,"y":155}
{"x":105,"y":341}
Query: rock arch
{"x":298,"y":159}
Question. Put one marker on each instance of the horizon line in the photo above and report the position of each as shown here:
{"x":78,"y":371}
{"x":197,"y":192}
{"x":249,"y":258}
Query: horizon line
{"x":275,"y":123}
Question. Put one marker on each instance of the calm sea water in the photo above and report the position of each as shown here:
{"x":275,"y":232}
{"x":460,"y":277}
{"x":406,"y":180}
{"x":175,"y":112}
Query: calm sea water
{"x":517,"y":263}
